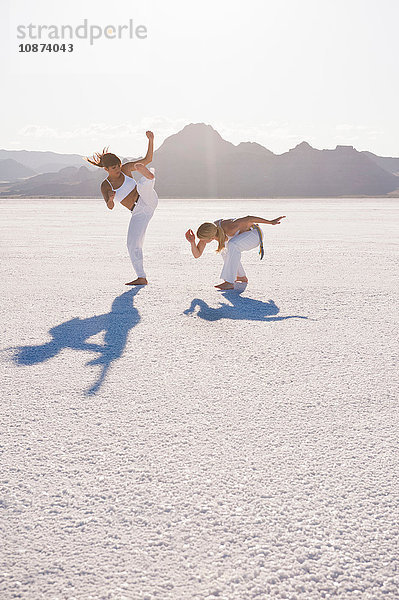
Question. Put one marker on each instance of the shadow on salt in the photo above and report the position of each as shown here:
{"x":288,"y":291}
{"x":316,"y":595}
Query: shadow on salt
{"x":74,"y":334}
{"x":238,"y":307}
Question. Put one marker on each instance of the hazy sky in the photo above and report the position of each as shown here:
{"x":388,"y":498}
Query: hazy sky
{"x":272,"y":71}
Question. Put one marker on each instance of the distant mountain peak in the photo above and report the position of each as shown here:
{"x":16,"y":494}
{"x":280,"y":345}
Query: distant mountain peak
{"x":303,"y":146}
{"x":11,"y":169}
{"x":194,"y":138}
{"x":200,"y":129}
{"x":199,"y":126}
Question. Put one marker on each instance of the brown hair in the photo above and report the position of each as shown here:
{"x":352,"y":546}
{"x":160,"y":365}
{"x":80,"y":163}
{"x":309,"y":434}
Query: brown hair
{"x":208,"y":231}
{"x":103,"y":159}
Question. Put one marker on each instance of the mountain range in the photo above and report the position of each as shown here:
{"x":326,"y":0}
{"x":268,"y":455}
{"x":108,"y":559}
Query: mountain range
{"x":197,"y":162}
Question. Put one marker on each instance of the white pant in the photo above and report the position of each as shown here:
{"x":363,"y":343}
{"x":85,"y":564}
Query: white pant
{"x":232,"y":254}
{"x":141,"y":216}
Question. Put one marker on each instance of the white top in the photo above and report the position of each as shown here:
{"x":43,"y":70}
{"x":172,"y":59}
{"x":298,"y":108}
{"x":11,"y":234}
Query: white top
{"x":123,"y":190}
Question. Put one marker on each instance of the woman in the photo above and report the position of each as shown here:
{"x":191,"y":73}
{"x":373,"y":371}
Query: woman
{"x":233,"y":236}
{"x":138,"y":197}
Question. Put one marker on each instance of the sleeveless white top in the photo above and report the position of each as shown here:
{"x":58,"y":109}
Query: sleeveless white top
{"x":122,"y":191}
{"x":218,"y":224}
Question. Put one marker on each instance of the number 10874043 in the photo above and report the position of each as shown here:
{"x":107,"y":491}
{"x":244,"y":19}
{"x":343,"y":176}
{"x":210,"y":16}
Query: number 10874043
{"x":45,"y":48}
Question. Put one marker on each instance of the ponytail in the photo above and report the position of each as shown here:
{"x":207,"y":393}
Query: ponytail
{"x":221,"y":238}
{"x":103,"y":159}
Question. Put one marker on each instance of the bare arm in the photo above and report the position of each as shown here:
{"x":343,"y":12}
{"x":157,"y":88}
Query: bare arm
{"x":108,"y":194}
{"x":196,"y":249}
{"x":128,"y":167}
{"x":244,"y":223}
{"x":256,"y":220}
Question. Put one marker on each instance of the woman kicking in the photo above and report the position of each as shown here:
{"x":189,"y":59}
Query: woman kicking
{"x":233,"y":236}
{"x":137,"y":196}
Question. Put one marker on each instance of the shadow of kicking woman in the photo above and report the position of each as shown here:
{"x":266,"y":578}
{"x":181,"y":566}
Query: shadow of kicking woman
{"x":75,"y":333}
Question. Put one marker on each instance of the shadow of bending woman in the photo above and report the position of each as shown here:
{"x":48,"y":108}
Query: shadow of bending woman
{"x":238,"y":308}
{"x":74,"y":334}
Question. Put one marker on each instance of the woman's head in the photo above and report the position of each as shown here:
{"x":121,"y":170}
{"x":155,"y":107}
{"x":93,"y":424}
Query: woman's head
{"x":108,"y":161}
{"x":209,"y":232}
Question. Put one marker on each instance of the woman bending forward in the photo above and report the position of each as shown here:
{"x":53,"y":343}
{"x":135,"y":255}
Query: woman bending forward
{"x":233,"y":236}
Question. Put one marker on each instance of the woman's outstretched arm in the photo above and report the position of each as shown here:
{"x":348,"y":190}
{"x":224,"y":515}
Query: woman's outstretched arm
{"x":244,"y":223}
{"x":128,"y":167}
{"x":253,"y":220}
{"x":196,"y":249}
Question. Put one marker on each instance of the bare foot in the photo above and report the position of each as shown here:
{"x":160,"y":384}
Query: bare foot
{"x":242,"y":279}
{"x":225,"y":286}
{"x":138,"y":281}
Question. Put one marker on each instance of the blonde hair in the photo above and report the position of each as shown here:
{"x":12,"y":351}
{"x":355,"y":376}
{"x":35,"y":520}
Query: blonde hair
{"x":208,"y":231}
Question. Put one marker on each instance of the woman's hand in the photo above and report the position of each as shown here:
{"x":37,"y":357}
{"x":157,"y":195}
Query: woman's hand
{"x":190,"y":237}
{"x":196,"y":249}
{"x":150,"y":135}
{"x":110,"y":201}
{"x":276,"y":221}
